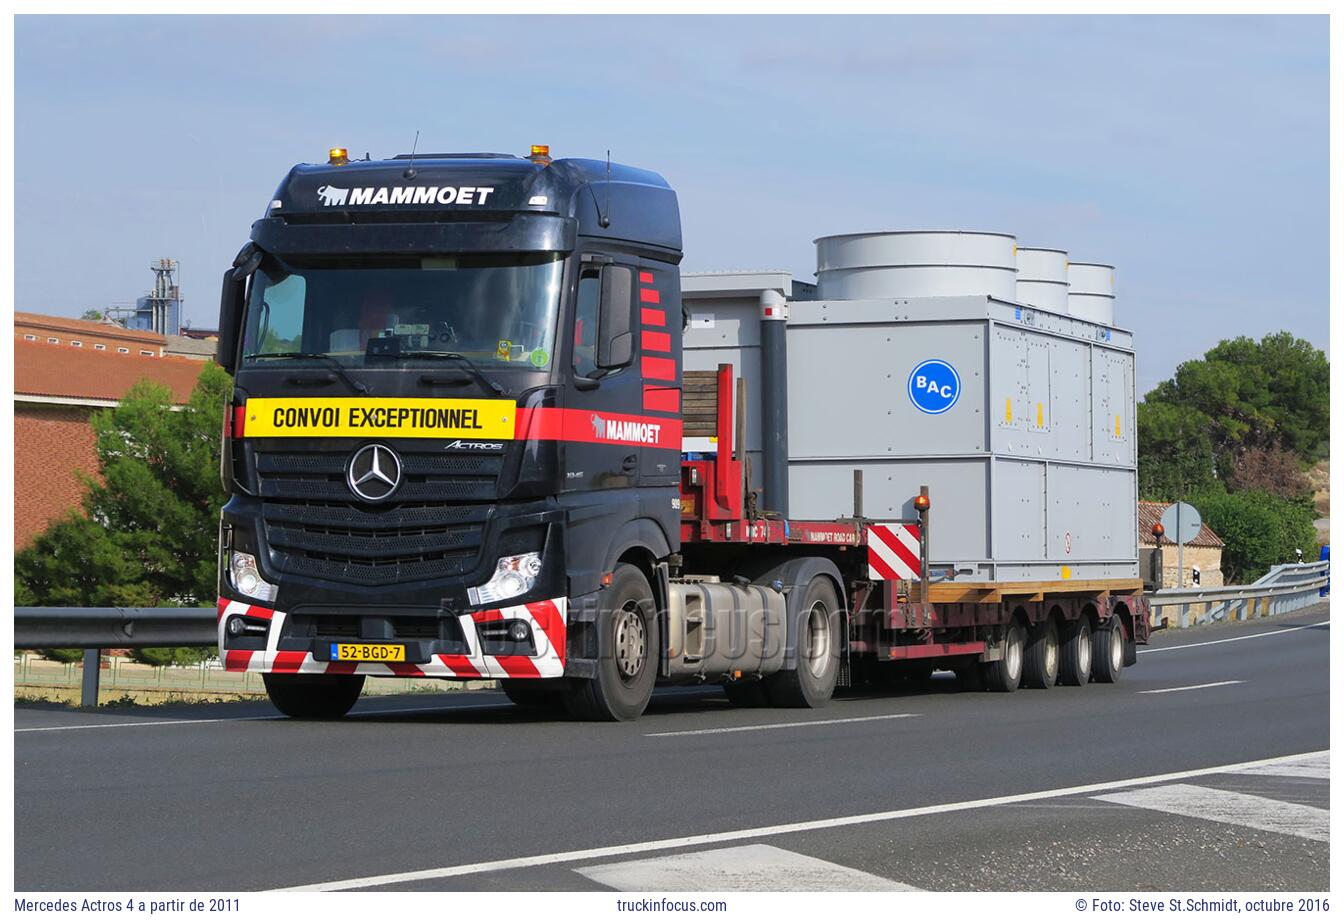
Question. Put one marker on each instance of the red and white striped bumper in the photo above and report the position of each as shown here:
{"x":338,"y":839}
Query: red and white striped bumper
{"x":547,"y":619}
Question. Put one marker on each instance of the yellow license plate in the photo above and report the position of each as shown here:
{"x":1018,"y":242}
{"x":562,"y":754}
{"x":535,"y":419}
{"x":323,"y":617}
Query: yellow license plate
{"x":342,"y":651}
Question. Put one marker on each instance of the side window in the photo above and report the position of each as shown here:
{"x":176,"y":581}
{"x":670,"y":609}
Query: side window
{"x":586,"y":308}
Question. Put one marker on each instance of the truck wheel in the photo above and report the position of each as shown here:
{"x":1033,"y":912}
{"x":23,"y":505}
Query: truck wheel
{"x":1042,"y":659}
{"x":547,"y":693}
{"x":1005,"y":675}
{"x":1075,"y":654}
{"x":627,"y":653}
{"x":810,"y":684}
{"x":746,"y":694}
{"x":1108,"y":651}
{"x":313,"y":696}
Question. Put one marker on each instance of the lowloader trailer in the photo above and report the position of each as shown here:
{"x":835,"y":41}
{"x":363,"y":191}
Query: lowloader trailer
{"x":477,"y":432}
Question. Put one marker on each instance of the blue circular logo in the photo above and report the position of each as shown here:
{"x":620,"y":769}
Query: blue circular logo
{"x":934,"y":386}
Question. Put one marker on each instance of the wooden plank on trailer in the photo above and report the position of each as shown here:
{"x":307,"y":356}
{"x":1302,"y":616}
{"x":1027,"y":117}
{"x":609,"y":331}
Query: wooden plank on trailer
{"x":992,"y":592}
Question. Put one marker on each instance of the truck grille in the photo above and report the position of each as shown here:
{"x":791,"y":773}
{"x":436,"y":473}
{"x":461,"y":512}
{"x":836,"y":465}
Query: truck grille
{"x":432,"y":529}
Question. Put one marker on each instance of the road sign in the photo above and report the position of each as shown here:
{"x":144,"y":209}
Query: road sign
{"x":934,"y":386}
{"x":1181,"y":522}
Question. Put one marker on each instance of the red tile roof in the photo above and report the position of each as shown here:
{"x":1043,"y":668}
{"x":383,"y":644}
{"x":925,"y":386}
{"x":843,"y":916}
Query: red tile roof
{"x":74,"y":373}
{"x":69,"y":325}
{"x":1151,"y":512}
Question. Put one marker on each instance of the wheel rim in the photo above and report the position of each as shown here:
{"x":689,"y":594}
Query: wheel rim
{"x":818,"y":638}
{"x":1084,"y":652}
{"x":1013,"y":654}
{"x":630,"y":641}
{"x":1117,"y":650}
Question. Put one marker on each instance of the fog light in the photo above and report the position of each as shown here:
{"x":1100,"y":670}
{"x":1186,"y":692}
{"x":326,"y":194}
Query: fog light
{"x":514,"y":576}
{"x":236,"y":626}
{"x":518,"y":631}
{"x":247,"y":579}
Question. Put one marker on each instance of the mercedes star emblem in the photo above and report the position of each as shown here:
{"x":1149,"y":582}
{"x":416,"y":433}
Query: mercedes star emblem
{"x":375,"y":472}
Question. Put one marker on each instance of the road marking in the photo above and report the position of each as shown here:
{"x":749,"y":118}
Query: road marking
{"x":755,"y":867}
{"x":1230,"y":808}
{"x":1221,"y":683}
{"x":147,"y":722}
{"x":1314,"y":768}
{"x":751,"y":833}
{"x":1263,"y":635}
{"x":767,"y":726}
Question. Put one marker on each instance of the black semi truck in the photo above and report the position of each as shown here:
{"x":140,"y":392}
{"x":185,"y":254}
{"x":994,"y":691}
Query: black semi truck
{"x":454,"y":450}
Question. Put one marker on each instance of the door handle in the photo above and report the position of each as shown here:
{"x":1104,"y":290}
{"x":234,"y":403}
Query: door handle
{"x":629,"y":463}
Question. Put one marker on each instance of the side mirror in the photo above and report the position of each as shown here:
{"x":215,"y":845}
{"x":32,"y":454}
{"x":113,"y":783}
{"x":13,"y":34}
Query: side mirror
{"x":230,"y":316}
{"x":616,"y":345}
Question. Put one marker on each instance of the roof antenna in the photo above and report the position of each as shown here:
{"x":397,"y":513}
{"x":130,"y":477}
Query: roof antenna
{"x":410,"y":170}
{"x":604,"y":220}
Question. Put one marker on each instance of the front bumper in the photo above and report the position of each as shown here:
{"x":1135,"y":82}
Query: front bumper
{"x":279,"y":652}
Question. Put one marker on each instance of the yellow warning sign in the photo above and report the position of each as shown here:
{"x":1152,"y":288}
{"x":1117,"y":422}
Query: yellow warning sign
{"x":361,"y":417}
{"x":1008,"y":411}
{"x":1117,"y":427}
{"x":1040,"y":415}
{"x":1065,"y":572}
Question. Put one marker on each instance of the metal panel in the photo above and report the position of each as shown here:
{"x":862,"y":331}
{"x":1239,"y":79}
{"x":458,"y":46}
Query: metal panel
{"x":1019,"y":510}
{"x":1043,"y":278}
{"x":920,"y":263}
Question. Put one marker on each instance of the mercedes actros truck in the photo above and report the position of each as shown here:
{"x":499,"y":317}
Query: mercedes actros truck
{"x":463,"y":444}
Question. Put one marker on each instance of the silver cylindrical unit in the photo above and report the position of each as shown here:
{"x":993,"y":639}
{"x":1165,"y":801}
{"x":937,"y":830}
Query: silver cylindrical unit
{"x":916,"y":263}
{"x":1043,"y":278}
{"x":1092,"y":292}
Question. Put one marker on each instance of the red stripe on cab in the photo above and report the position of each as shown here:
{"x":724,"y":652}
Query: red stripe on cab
{"x":658,"y":368}
{"x":648,"y":295}
{"x":646,"y":277}
{"x":652,"y":317}
{"x":657,"y":341}
{"x":662,"y":399}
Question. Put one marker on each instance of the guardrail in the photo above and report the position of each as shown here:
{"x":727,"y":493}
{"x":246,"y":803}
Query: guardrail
{"x":96,"y":628}
{"x":1283,"y":589}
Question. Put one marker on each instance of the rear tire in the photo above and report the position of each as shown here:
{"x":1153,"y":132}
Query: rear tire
{"x":627,"y":643}
{"x":1075,"y":654}
{"x":545,"y":693}
{"x":1042,"y":661}
{"x":812,"y":681}
{"x":1108,"y":652}
{"x":1005,"y":675}
{"x":313,"y":696}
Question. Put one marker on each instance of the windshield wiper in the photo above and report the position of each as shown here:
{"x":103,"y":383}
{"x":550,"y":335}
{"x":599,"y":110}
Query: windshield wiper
{"x":456,"y":356}
{"x":337,"y":366}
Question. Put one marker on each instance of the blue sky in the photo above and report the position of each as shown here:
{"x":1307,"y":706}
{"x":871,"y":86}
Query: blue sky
{"x":1191,"y":152}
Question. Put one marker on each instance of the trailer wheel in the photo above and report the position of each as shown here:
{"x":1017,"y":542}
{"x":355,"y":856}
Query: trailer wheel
{"x":627,"y":637}
{"x":810,"y":684}
{"x":746,"y":694}
{"x":1075,"y":654}
{"x":313,"y":696}
{"x":1108,"y":651}
{"x":546,"y":693}
{"x":1042,"y":660}
{"x":1005,"y":675}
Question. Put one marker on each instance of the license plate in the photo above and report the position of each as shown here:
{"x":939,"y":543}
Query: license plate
{"x":342,"y":651}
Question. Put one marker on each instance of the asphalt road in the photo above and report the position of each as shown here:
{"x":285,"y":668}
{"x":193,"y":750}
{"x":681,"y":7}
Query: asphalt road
{"x":1100,"y":788}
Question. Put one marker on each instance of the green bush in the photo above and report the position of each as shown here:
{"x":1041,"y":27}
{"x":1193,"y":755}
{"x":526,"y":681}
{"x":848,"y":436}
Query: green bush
{"x":63,"y":655}
{"x":159,"y":657}
{"x":1259,"y":530}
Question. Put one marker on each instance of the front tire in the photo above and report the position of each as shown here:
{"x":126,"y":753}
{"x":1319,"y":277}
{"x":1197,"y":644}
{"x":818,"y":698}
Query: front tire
{"x":627,"y":644}
{"x":811,"y":682}
{"x":1075,"y":655}
{"x":313,"y":696}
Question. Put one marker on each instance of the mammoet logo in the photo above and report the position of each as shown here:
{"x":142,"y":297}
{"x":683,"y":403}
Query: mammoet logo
{"x":406,"y":194}
{"x":599,"y":426}
{"x":331,"y":195}
{"x":630,"y":432}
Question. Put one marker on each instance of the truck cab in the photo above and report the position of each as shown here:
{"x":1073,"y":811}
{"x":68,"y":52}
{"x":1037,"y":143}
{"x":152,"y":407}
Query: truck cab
{"x":455,"y":421}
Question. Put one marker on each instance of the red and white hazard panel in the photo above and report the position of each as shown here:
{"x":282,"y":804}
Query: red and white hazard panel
{"x":893,"y":552}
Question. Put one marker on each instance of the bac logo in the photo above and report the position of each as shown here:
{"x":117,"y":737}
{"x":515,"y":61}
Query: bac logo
{"x":934,"y":386}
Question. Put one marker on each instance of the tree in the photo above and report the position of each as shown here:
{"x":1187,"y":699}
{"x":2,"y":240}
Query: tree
{"x":1268,"y":469}
{"x":1258,"y":530}
{"x":147,"y":533}
{"x":1175,"y":451}
{"x":95,"y":315}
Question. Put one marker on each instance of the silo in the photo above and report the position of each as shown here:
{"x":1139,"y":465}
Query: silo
{"x":916,"y":263}
{"x":1092,"y":292}
{"x":1043,"y":278}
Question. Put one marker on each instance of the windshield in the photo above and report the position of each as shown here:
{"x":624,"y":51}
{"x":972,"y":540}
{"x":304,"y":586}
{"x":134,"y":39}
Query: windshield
{"x":496,"y":310}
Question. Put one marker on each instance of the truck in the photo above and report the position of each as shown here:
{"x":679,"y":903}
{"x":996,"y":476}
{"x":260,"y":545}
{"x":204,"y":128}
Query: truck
{"x":472,"y":437}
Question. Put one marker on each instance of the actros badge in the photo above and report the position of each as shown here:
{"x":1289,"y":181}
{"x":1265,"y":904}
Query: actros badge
{"x":375,"y":472}
{"x":934,"y":386}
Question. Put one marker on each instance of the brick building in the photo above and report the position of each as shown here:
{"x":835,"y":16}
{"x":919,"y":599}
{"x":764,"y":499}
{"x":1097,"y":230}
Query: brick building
{"x":56,"y":389}
{"x":1205,"y":551}
{"x":100,"y":336}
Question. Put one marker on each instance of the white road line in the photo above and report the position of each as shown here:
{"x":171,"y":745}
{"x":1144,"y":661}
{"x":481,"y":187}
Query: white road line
{"x":751,"y":833}
{"x":1221,"y":683}
{"x":755,"y":867}
{"x":1230,"y":808}
{"x":1314,"y":768}
{"x":1263,"y":635}
{"x":147,"y":722}
{"x":767,"y":726}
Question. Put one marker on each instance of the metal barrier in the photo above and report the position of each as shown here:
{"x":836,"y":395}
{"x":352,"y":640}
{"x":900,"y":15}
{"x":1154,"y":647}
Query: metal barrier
{"x":1283,"y":589}
{"x":96,"y":628}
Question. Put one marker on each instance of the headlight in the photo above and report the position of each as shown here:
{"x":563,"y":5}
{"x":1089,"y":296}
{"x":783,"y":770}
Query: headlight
{"x":246,"y":579}
{"x":514,"y":576}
